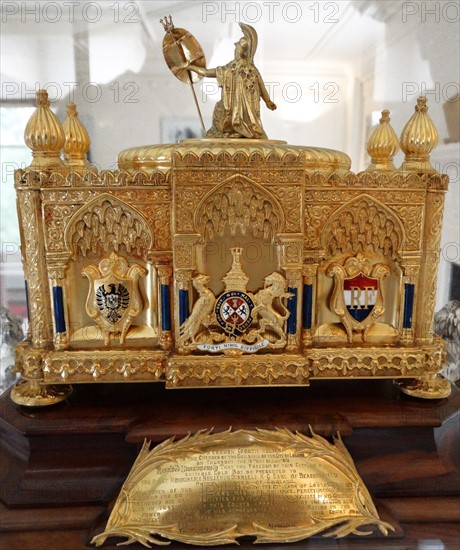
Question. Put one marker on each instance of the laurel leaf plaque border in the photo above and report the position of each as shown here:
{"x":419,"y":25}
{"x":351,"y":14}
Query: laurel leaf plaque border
{"x":312,"y":454}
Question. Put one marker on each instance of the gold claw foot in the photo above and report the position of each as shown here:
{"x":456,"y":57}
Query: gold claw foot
{"x":425,"y":388}
{"x":31,"y":393}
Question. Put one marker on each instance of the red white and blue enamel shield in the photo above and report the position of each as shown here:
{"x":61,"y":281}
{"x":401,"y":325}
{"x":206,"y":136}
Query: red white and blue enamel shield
{"x":360,"y":294}
{"x":233,"y":312}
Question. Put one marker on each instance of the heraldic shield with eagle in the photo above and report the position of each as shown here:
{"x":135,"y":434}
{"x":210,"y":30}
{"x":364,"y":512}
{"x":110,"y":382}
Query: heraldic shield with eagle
{"x":232,"y":260}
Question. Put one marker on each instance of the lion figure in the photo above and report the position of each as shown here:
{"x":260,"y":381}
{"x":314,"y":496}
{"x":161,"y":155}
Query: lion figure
{"x":269,"y":318}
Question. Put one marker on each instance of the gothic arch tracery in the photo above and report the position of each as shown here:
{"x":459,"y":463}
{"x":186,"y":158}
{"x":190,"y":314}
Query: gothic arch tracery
{"x":361,"y":225}
{"x":239,"y":205}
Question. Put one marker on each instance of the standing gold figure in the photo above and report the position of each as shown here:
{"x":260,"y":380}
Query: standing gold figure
{"x":237,"y":114}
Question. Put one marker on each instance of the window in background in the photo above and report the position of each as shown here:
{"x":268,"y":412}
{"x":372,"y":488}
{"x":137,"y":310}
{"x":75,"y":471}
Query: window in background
{"x":14,"y":154}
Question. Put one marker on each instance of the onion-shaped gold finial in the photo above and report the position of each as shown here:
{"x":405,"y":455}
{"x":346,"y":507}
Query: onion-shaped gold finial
{"x":418,"y":138}
{"x":382,"y":145}
{"x":44,"y":134}
{"x":77,"y":140}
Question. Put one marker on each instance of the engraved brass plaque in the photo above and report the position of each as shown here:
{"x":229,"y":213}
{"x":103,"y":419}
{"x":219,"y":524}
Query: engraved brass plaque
{"x":210,"y":489}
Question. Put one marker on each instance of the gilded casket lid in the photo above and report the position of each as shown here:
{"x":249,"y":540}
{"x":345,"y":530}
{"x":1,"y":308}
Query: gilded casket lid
{"x":194,"y":151}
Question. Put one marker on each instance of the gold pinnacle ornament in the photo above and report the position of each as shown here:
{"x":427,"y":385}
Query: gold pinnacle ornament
{"x":44,"y":135}
{"x":77,"y":140}
{"x":383,"y":145}
{"x":418,"y":138}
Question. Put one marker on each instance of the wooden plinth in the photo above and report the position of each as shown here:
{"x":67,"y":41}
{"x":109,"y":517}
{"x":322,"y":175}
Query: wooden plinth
{"x":62,"y":466}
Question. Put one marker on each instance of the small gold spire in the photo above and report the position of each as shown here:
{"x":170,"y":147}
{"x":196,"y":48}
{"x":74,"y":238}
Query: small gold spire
{"x":44,"y":134}
{"x":236,"y":278}
{"x":418,"y":138}
{"x":383,"y":145}
{"x":77,"y":140}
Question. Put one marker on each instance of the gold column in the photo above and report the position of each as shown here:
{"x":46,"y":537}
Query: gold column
{"x":30,"y":358}
{"x":309,"y":274}
{"x":183,"y":278}
{"x":291,"y":263}
{"x":418,"y":138}
{"x":34,"y":265}
{"x":45,"y":136}
{"x":410,"y":265}
{"x":165,"y":279}
{"x":434,"y":207}
{"x":294,"y":281}
{"x":56,"y":272}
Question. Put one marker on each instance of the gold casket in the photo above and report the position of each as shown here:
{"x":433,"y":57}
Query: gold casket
{"x":228,"y":262}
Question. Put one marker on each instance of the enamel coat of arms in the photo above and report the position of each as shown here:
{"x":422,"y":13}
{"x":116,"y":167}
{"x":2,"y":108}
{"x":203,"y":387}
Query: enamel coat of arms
{"x":114,"y":300}
{"x":357,"y":298}
{"x":237,"y":321}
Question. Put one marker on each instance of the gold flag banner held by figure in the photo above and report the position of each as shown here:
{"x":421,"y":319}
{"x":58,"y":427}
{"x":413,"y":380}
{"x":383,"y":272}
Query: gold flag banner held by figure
{"x":210,"y":489}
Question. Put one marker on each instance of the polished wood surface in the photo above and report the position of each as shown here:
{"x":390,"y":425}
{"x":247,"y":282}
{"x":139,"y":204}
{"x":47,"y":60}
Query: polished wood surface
{"x":62,"y":466}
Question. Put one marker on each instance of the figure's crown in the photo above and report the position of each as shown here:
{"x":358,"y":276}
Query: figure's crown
{"x":167,"y":23}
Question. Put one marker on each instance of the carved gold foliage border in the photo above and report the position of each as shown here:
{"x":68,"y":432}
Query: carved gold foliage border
{"x":335,"y":455}
{"x":240,"y":159}
{"x":291,"y":202}
{"x":89,"y":178}
{"x":109,"y":366}
{"x":434,"y":214}
{"x":393,"y":180}
{"x":340,"y":195}
{"x":202,"y":371}
{"x":129,"y":195}
{"x":57,"y":217}
{"x":267,"y":176}
{"x":376,"y":362}
{"x":293,"y":166}
{"x":411,"y":217}
{"x":81,"y":366}
{"x":186,"y":201}
{"x":432,"y":235}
